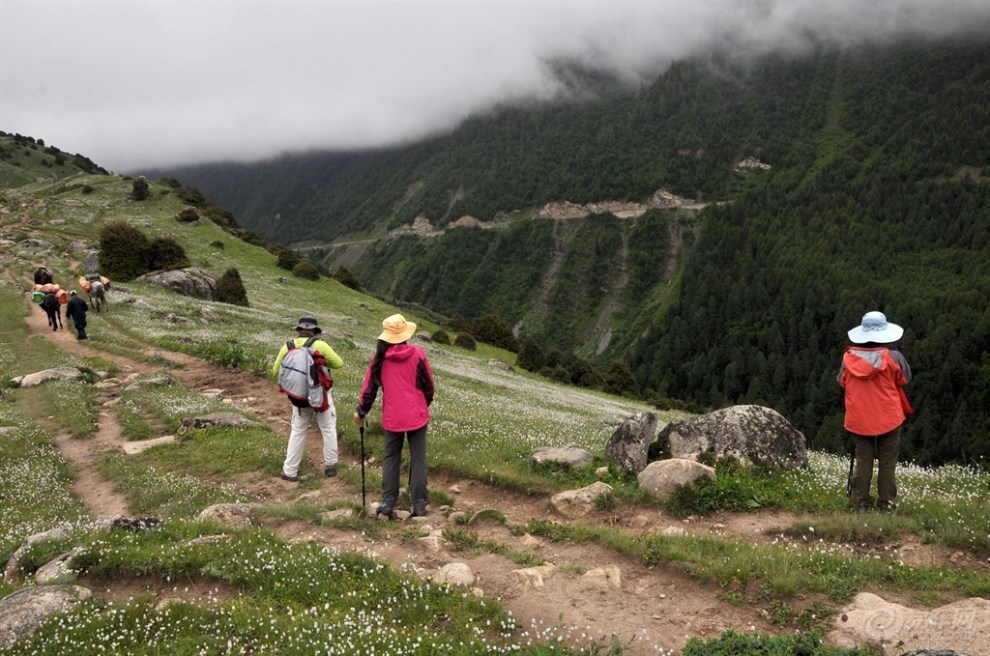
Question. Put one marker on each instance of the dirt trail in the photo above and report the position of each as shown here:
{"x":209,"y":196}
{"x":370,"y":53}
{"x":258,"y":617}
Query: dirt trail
{"x":654,"y":608}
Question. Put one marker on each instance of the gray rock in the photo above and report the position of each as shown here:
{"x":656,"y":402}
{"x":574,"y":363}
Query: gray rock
{"x":661,"y":478}
{"x":41,"y":377}
{"x":498,"y":364}
{"x":229,"y":514}
{"x":190,"y":424}
{"x":12,"y":569}
{"x":569,"y":456}
{"x":628,"y":446}
{"x":577,"y":503}
{"x":59,"y":569}
{"x":960,"y":628}
{"x":22,"y":612}
{"x":751,"y":434}
{"x":191,"y":281}
{"x":454,"y":574}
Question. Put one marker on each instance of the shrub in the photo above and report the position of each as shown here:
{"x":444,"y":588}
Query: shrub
{"x":465,"y":341}
{"x":619,"y":379}
{"x":287,"y":259}
{"x":531,"y":357}
{"x":492,"y":329}
{"x":230,"y":288}
{"x":307,"y":270}
{"x":440,"y":337}
{"x":217,"y":244}
{"x":123,"y":251}
{"x":87,"y":189}
{"x":344,"y":276}
{"x":140,"y":190}
{"x":166,"y":254}
{"x":188,"y":215}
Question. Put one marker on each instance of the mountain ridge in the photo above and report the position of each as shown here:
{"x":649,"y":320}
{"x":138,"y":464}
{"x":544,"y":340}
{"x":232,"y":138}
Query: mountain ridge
{"x":865,"y":147}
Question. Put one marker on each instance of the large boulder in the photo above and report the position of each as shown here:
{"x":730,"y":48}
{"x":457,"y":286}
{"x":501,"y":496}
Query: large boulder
{"x":22,"y":612}
{"x":751,"y":434}
{"x":628,"y":446}
{"x":41,"y":377}
{"x":960,"y":627}
{"x":191,"y":281}
{"x":661,"y":478}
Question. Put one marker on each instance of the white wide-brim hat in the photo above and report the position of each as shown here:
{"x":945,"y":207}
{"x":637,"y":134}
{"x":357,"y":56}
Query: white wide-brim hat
{"x":875,"y":328}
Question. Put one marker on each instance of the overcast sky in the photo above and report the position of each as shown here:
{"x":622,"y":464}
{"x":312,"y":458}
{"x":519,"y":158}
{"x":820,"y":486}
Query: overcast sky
{"x":135,"y":83}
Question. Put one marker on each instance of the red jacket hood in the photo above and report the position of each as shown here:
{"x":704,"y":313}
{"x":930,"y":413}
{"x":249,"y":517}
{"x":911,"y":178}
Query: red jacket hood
{"x":864,"y":363}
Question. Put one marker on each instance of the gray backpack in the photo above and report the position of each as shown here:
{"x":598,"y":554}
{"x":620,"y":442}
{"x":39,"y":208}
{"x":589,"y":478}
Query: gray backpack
{"x":304,"y":376}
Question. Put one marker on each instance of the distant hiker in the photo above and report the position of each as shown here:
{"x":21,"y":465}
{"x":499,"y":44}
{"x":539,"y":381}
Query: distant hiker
{"x":76,"y":310}
{"x":53,"y":308}
{"x":302,"y":412}
{"x":873,"y":375}
{"x":404,"y":375}
{"x":42,"y":276}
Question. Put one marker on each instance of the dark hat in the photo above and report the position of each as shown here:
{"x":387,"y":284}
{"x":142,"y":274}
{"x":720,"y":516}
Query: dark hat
{"x":308,"y":323}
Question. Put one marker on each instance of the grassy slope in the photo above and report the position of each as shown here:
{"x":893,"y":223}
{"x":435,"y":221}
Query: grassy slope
{"x":470,"y":435}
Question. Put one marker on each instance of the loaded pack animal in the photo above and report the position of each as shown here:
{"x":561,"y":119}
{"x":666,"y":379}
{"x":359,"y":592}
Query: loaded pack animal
{"x":42,"y":276}
{"x":97,"y":292}
{"x":53,"y":308}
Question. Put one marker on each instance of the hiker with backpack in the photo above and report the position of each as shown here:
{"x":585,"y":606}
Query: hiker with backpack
{"x":303,"y":369}
{"x":873,"y":375}
{"x":403,"y":373}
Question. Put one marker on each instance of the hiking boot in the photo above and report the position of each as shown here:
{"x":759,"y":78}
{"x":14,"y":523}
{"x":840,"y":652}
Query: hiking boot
{"x":286,"y":477}
{"x":418,"y":512}
{"x":384,"y":510}
{"x":330,"y":471}
{"x":887,"y":506}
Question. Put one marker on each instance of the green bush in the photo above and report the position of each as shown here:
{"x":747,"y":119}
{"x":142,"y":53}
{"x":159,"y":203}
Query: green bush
{"x":230,"y":288}
{"x":346,"y":277}
{"x":440,"y":337}
{"x":287,"y":259}
{"x":307,"y":270}
{"x":492,"y":329}
{"x":123,"y":251}
{"x":188,"y":215}
{"x":217,"y":244}
{"x":166,"y":254}
{"x":140,"y":189}
{"x":465,"y":341}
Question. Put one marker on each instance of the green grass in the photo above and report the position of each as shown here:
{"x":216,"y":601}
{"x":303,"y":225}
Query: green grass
{"x":486,"y":424}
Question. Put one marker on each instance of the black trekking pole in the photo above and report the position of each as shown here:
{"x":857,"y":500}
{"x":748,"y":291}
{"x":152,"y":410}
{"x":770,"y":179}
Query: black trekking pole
{"x":364,"y":503}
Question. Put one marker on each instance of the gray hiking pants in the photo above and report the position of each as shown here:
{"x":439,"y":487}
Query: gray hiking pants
{"x":417,"y":468}
{"x":882,"y":448}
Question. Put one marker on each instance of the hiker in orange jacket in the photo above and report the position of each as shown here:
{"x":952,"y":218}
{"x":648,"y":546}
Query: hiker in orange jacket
{"x":873,"y":376}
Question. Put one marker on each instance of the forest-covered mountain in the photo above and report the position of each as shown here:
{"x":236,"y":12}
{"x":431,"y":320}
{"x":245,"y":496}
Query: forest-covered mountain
{"x":874,"y":196}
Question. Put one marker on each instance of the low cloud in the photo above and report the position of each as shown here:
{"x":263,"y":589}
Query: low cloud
{"x":163,"y":83}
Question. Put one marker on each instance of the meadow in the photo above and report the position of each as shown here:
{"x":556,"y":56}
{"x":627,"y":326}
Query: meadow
{"x":276,"y":597}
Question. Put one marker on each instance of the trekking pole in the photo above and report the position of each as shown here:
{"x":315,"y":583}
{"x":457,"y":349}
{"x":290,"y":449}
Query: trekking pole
{"x":364,"y":503}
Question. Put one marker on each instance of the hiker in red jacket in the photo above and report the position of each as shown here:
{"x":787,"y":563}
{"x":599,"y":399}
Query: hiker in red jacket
{"x":873,"y":376}
{"x":404,"y":375}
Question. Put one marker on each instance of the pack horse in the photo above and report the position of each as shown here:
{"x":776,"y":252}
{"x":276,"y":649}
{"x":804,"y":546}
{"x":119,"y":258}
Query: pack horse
{"x":96,"y":287}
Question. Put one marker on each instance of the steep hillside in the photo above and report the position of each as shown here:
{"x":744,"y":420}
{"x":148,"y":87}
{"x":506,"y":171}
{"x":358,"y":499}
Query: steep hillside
{"x":839,"y":182}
